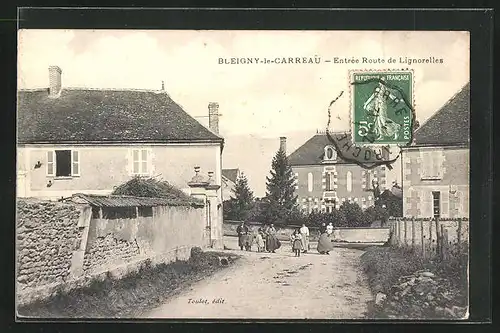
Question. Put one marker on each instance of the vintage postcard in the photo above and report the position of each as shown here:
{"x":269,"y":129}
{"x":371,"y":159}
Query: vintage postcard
{"x":187,"y":174}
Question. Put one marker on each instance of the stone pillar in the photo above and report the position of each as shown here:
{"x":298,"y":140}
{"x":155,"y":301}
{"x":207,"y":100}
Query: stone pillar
{"x":197,"y":185}
{"x":216,"y":218}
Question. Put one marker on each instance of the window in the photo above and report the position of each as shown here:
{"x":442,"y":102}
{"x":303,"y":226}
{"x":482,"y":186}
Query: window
{"x":431,"y":164}
{"x":330,"y":154}
{"x":328,"y":178}
{"x":140,"y":162}
{"x":63,"y":163}
{"x":368,"y":179}
{"x":436,"y":203}
{"x":146,"y":211}
{"x":349,"y":181}
{"x":310,"y":182}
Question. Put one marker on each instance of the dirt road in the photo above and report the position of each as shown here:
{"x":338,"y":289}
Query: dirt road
{"x":277,"y":286}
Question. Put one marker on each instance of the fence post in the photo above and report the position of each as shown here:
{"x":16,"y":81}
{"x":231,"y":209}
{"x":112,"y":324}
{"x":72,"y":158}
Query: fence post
{"x":430,"y":236}
{"x":444,"y":243}
{"x":439,"y":236}
{"x":413,"y":232}
{"x":459,"y":231}
{"x":405,"y":233}
{"x":422,"y":238}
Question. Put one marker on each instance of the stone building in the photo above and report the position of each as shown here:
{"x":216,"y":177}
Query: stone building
{"x":324,"y":180}
{"x":229,"y":178}
{"x":79,"y":140}
{"x":436,"y":167}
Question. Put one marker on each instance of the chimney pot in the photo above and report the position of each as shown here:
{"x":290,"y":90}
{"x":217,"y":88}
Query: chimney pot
{"x":55,"y":82}
{"x":283,"y":143}
{"x":213,"y":117}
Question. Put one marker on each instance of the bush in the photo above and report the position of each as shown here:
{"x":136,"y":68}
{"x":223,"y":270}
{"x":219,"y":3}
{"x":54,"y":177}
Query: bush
{"x":152,"y":188}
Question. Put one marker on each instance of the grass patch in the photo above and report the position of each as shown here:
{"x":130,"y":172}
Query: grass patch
{"x":131,"y":295}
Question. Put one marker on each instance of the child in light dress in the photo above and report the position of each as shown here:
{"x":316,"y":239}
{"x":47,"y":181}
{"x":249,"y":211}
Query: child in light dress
{"x":297,"y":242}
{"x":259,"y":239}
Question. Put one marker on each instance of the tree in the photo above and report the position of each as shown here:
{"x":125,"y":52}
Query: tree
{"x":353,"y":214}
{"x":281,"y":201}
{"x":241,"y":205}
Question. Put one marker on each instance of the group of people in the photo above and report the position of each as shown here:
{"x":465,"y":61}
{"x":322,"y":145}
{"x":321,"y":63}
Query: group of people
{"x":267,"y":240}
{"x":300,"y":240}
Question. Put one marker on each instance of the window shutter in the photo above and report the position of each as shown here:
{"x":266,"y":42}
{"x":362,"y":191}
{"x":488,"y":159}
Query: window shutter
{"x":151,"y":160}
{"x":75,"y":163}
{"x":135,"y":161}
{"x":144,"y":161}
{"x":310,"y":182}
{"x":439,"y":164}
{"x":51,"y":164}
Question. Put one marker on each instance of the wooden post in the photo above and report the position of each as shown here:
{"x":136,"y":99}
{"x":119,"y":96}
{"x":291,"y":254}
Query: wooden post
{"x":430,"y":236}
{"x":439,"y":236}
{"x":459,"y":231}
{"x":405,"y":233}
{"x":413,"y":232}
{"x":422,"y":237}
{"x":441,"y":244}
{"x":445,"y":245}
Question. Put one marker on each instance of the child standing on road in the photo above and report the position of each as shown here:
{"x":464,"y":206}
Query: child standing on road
{"x":297,"y":242}
{"x":259,"y":239}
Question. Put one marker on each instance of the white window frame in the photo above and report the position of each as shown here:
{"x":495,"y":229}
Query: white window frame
{"x":52,"y":163}
{"x":334,"y":154}
{"x":349,"y":181}
{"x":310,"y":182}
{"x":140,"y":161}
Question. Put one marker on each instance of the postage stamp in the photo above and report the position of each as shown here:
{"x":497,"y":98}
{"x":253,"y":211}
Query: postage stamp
{"x":382,"y":107}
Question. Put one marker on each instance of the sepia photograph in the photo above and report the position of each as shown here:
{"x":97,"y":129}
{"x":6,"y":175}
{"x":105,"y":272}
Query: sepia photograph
{"x":242,"y":174}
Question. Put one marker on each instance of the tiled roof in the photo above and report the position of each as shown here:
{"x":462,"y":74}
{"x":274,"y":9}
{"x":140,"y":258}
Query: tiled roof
{"x":95,"y":115}
{"x":450,"y":124}
{"x":129,"y":201}
{"x":311,"y":152}
{"x":231,"y":174}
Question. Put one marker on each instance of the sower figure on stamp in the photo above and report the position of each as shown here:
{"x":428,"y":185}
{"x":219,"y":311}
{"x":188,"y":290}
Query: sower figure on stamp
{"x":376,"y":106}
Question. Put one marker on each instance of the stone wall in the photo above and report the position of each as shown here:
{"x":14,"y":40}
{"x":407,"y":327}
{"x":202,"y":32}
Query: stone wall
{"x":109,"y":249}
{"x":347,"y":235}
{"x":47,"y":234}
{"x":59,"y":244}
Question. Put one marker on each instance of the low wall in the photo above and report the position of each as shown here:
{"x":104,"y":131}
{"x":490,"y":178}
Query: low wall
{"x":361,"y":235}
{"x":47,"y":235}
{"x":59,"y":245}
{"x":350,"y":235}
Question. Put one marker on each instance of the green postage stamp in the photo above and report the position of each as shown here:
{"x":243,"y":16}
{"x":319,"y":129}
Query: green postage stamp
{"x":382,"y":107}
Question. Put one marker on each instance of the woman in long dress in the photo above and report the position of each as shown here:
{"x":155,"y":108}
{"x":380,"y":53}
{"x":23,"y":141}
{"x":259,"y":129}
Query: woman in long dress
{"x":272,"y":242}
{"x":304,"y":233}
{"x":325,"y":244}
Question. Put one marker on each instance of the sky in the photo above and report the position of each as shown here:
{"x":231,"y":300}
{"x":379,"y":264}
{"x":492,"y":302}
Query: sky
{"x":258,"y":102}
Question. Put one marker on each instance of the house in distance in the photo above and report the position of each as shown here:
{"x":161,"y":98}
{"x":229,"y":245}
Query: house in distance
{"x":324,"y":180}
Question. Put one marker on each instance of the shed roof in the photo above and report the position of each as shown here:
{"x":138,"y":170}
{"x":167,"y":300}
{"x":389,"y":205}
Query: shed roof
{"x":130,"y":201}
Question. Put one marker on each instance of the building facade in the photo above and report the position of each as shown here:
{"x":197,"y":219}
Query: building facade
{"x":92,"y":140}
{"x":229,"y":178}
{"x":324,"y":180}
{"x":436,"y":166}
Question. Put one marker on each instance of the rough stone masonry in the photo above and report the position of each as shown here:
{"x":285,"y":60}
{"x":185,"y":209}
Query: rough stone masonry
{"x":47,"y":235}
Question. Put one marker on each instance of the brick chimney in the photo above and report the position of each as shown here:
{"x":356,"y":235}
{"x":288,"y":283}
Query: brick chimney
{"x":55,"y":83}
{"x":213,"y":117}
{"x":283,"y":143}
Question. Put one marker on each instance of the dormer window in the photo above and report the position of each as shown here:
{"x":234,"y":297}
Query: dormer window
{"x":330,"y":154}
